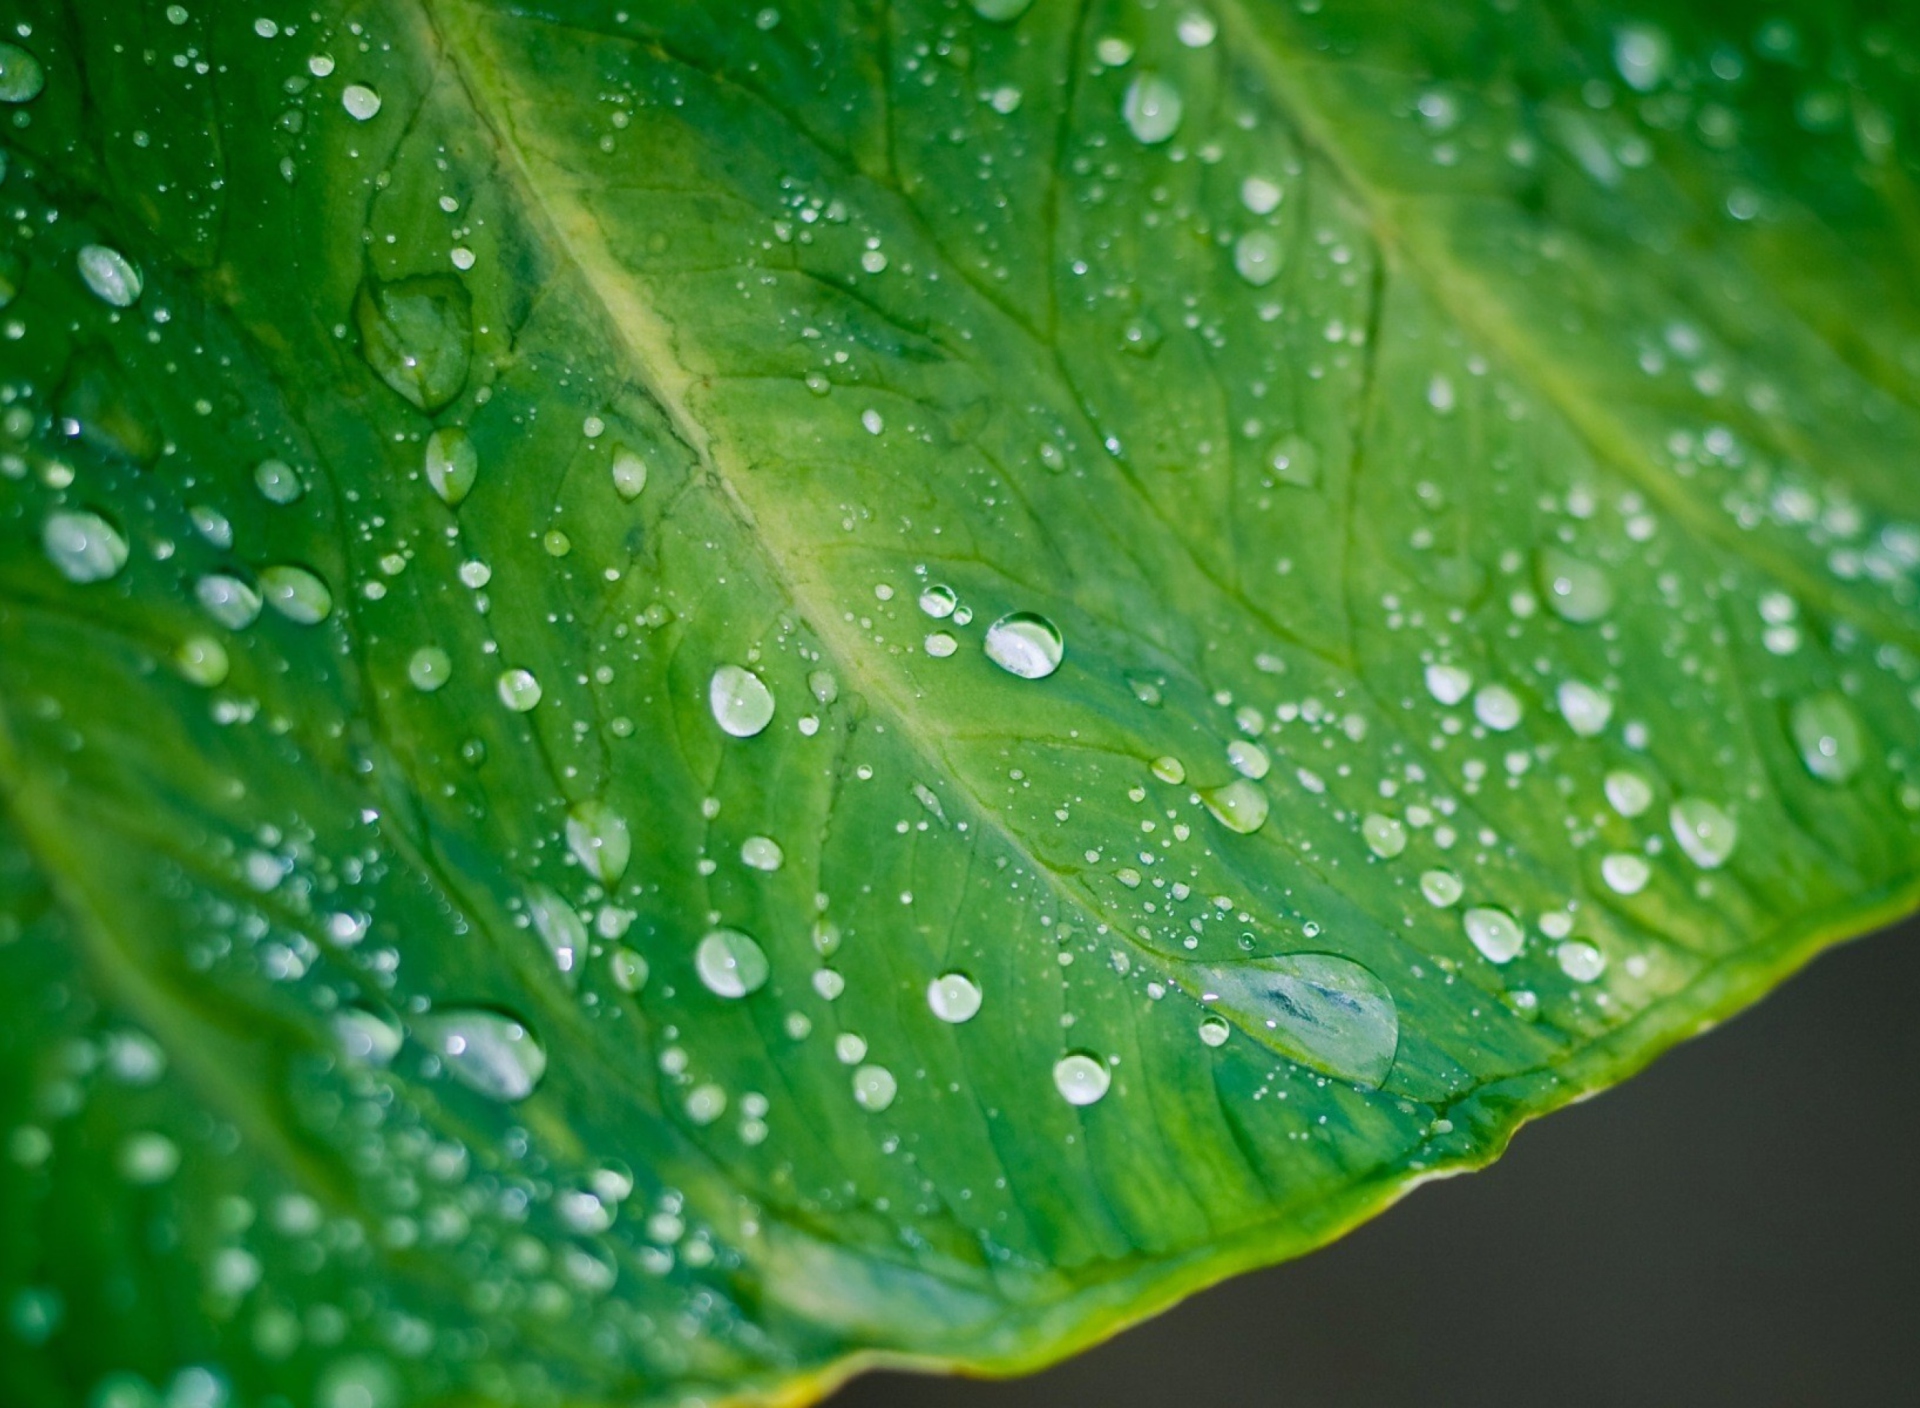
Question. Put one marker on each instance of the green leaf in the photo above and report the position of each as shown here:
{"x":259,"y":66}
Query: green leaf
{"x":699,"y":694}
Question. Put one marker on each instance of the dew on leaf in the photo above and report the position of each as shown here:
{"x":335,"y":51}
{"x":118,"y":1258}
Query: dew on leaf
{"x":1577,"y":591}
{"x":1495,"y":933}
{"x":278,"y":482}
{"x":1240,"y":806}
{"x":83,"y":546}
{"x":741,"y":702}
{"x":1441,"y":888}
{"x":1625,"y":873}
{"x":366,"y":1036}
{"x":452,"y":464}
{"x":1497,"y":707}
{"x":21,"y":77}
{"x":1001,"y":11}
{"x":518,"y":689}
{"x":1169,"y":769}
{"x":938,"y":602}
{"x":1081,"y":1079}
{"x":762,"y":853}
{"x":940,"y":645}
{"x":1705,"y":831}
{"x":1385,"y":836}
{"x":1580,"y":960}
{"x":1152,"y":109}
{"x":1248,"y":759}
{"x":296,"y":594}
{"x":429,"y":668}
{"x":1026,"y":645}
{"x":1256,"y":257}
{"x":491,"y":1053}
{"x":1295,"y":461}
{"x":1628,"y":793}
{"x":109,"y":274}
{"x":874,"y":1088}
{"x":201,"y":660}
{"x":1214,"y":1031}
{"x":1448,"y":684}
{"x":147,"y":1158}
{"x":629,"y":474}
{"x":1260,"y":195}
{"x":730,"y":963}
{"x":953,"y":997}
{"x":1320,"y":1009}
{"x":361,"y":102}
{"x":1828,"y":737}
{"x":599,"y":839}
{"x":628,"y":969}
{"x":1585,"y":708}
{"x":559,"y":928}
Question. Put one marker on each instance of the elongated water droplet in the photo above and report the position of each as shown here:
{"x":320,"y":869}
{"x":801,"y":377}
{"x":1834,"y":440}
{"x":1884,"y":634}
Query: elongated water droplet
{"x":1239,"y":806}
{"x":1026,"y":645}
{"x":417,"y":334}
{"x":452,"y":464}
{"x":1828,"y":736}
{"x":730,"y":963}
{"x":1384,"y":836}
{"x":874,"y":1088}
{"x":741,"y":702}
{"x":1001,"y":11}
{"x":429,"y":668}
{"x":560,"y":929}
{"x":1705,"y":832}
{"x":107,"y":272}
{"x":518,"y":689}
{"x":1152,"y":109}
{"x":489,"y":1052}
{"x":1585,"y":708}
{"x":953,"y":997}
{"x":1169,"y":769}
{"x":367,"y":1036}
{"x":598,"y":837}
{"x":21,"y":77}
{"x":1081,"y":1078}
{"x":629,"y":969}
{"x":230,"y":601}
{"x":1319,"y":1009}
{"x":629,"y":474}
{"x":1577,"y":591}
{"x":1495,"y":933}
{"x":762,"y":853}
{"x":1442,"y":888}
{"x":83,"y":547}
{"x":278,"y":482}
{"x":1625,"y":872}
{"x":1248,"y":759}
{"x":201,"y":660}
{"x":296,"y":594}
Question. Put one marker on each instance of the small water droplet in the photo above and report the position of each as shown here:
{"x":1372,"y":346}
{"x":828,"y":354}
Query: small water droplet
{"x":1240,"y":806}
{"x":1320,"y":1009}
{"x":874,"y":1088}
{"x":1442,"y":888}
{"x":742,"y":704}
{"x":1579,"y":592}
{"x":1260,"y":195}
{"x":1448,"y":684}
{"x":1497,"y":707}
{"x":598,"y":837}
{"x":83,"y":547}
{"x":629,"y":474}
{"x":1705,"y":832}
{"x":361,"y":102}
{"x":1152,"y":109}
{"x":296,"y":594}
{"x":1828,"y":736}
{"x":1385,"y":836}
{"x":1585,"y":708}
{"x":490,"y":1052}
{"x":452,"y":464}
{"x":730,"y":963}
{"x":429,"y":668}
{"x":278,"y":482}
{"x":1081,"y":1079}
{"x":1026,"y":645}
{"x":938,"y":602}
{"x":1495,"y":933}
{"x":1625,"y":872}
{"x":107,"y":272}
{"x":953,"y":997}
{"x":1628,"y":793}
{"x":518,"y":690}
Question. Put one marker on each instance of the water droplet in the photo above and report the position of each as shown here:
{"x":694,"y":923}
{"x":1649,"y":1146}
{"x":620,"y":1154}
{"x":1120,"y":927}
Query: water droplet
{"x":1214,"y":1031}
{"x":1319,"y":1009}
{"x":630,"y":970}
{"x":1026,"y":645}
{"x":360,"y":101}
{"x":201,"y":660}
{"x":1628,"y":793}
{"x":489,"y":1052}
{"x":452,"y":464}
{"x":1152,"y":109}
{"x":107,"y":272}
{"x":830,"y":984}
{"x":278,"y":482}
{"x":1828,"y":737}
{"x":1169,"y":769}
{"x":1295,"y":461}
{"x":147,"y":1158}
{"x":629,"y":474}
{"x":598,"y":837}
{"x":953,"y":997}
{"x":706,"y":1103}
{"x":1577,"y":591}
{"x":1256,"y":257}
{"x":559,"y":928}
{"x":823,"y":687}
{"x":1080,"y":1078}
{"x":429,"y":668}
{"x":1196,"y":29}
{"x":1442,"y":888}
{"x":1239,"y":806}
{"x":518,"y":690}
{"x":1250,"y":760}
{"x":1001,"y":11}
{"x":730,"y":963}
{"x":1385,"y":836}
{"x":417,"y":334}
{"x":742,"y":704}
{"x":83,"y":547}
{"x":874,"y":1088}
{"x":1448,"y":684}
{"x":296,"y":594}
{"x":1625,"y":872}
{"x":762,"y":853}
{"x":366,"y":1036}
{"x":212,"y":526}
{"x":1495,"y":933}
{"x":1260,"y":195}
{"x":1497,"y":707}
{"x":940,"y":645}
{"x":1580,"y":960}
{"x":938,"y":602}
{"x":21,"y":77}
{"x":1705,"y":832}
{"x":1585,"y":708}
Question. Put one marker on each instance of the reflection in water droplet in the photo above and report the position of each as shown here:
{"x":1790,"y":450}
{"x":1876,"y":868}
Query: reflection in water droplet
{"x":1628,"y":793}
{"x":107,"y":272}
{"x":1026,"y":645}
{"x":1705,"y":832}
{"x":629,"y":475}
{"x":938,"y":602}
{"x":741,"y":702}
{"x":83,"y":547}
{"x":21,"y":77}
{"x":1081,"y":1078}
{"x":1319,"y":1009}
{"x":953,"y":997}
{"x":1239,"y":806}
{"x":1214,"y":1031}
{"x":1580,"y":960}
{"x":452,"y":464}
{"x":874,"y":1088}
{"x":296,"y":594}
{"x":1625,"y":872}
{"x":730,"y":963}
{"x":230,"y":601}
{"x":1442,"y":888}
{"x":1577,"y":591}
{"x":518,"y":690}
{"x":559,"y":928}
{"x":487,"y":1051}
{"x":360,"y":101}
{"x":941,"y":644}
{"x":598,"y":837}
{"x":1169,"y":769}
{"x":1828,"y":736}
{"x":428,"y":668}
{"x":1585,"y":708}
{"x":1495,"y":933}
{"x":1448,"y":684}
{"x":278,"y":482}
{"x":1152,"y":109}
{"x":1385,"y":836}
{"x":1250,"y":760}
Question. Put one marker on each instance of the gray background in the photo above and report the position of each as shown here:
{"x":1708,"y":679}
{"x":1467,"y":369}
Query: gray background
{"x":1739,"y":1225}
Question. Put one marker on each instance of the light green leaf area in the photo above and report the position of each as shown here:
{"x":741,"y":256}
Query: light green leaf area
{"x":698,"y":693}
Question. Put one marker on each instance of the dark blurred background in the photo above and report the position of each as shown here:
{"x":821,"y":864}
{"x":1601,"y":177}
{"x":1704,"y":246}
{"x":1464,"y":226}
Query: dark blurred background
{"x":1738,"y":1225}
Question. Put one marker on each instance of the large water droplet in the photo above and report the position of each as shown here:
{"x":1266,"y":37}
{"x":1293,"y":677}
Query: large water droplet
{"x":21,"y":77}
{"x":1152,"y":108}
{"x":1026,"y":645}
{"x":560,"y":929}
{"x":1319,"y":1009}
{"x":1705,"y":832}
{"x":1448,"y":684}
{"x":1628,"y":793}
{"x":452,"y":464}
{"x":1442,"y":888}
{"x":1828,"y":736}
{"x":1001,"y":11}
{"x":361,"y":102}
{"x":83,"y":547}
{"x":1577,"y":591}
{"x":1495,"y":933}
{"x":1385,"y":836}
{"x":107,"y":272}
{"x":1585,"y":708}
{"x":741,"y":702}
{"x":278,"y":482}
{"x":230,"y":601}
{"x":1239,"y":806}
{"x":629,"y":474}
{"x":762,"y":853}
{"x":598,"y":837}
{"x":518,"y":689}
{"x":1256,"y":257}
{"x":367,"y":1036}
{"x":1081,"y":1078}
{"x":953,"y":997}
{"x":1625,"y":872}
{"x":418,"y":335}
{"x":201,"y":660}
{"x":1497,"y":707}
{"x":874,"y":1088}
{"x":730,"y":963}
{"x":296,"y":594}
{"x":487,"y":1051}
